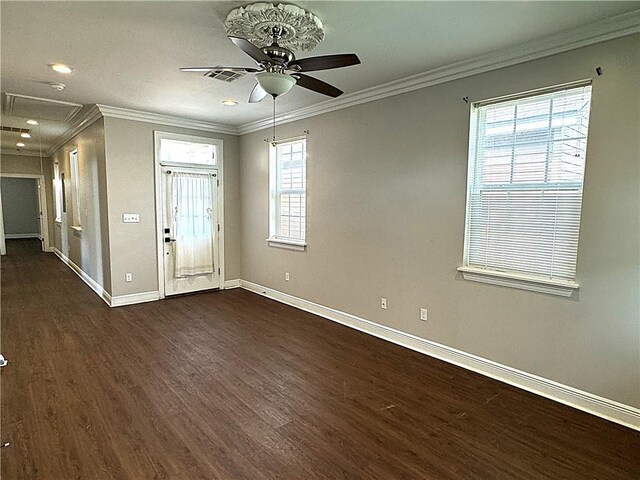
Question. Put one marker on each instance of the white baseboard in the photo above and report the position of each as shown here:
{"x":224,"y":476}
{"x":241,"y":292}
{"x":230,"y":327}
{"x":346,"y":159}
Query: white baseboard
{"x":232,"y":284}
{"x":116,"y":301}
{"x":131,"y":299}
{"x":588,"y":402}
{"x":93,"y":285}
{"x":13,"y":236}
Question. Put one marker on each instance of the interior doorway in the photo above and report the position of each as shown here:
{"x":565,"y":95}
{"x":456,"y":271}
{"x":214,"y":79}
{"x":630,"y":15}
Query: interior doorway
{"x":23,"y":209}
{"x":189,"y":206}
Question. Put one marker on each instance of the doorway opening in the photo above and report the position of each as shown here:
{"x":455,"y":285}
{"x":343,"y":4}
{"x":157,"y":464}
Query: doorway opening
{"x":189,"y":213}
{"x":23,"y":209}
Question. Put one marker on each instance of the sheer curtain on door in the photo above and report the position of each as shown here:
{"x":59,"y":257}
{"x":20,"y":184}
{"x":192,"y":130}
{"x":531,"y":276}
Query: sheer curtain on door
{"x":191,"y":207}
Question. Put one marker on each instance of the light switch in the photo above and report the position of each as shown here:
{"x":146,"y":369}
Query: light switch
{"x":130,"y":218}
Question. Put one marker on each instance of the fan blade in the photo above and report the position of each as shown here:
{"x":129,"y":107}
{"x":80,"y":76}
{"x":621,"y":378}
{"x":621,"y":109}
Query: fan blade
{"x":209,"y":69}
{"x":325,"y":63}
{"x":250,"y":49}
{"x":257,"y":94}
{"x":316,"y":85}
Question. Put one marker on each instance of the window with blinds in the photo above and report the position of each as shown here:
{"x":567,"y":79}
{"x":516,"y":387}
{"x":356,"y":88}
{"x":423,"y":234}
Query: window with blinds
{"x":288,"y":191}
{"x":524,"y":195}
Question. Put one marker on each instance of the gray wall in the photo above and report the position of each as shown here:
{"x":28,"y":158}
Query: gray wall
{"x":23,"y":164}
{"x":131,"y":189}
{"x":386,"y":215}
{"x":89,"y":248}
{"x":20,"y":207}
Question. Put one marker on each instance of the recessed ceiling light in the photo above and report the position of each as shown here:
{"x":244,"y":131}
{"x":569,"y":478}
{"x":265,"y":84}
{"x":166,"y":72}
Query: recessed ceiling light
{"x":19,"y":144}
{"x":32,"y":122}
{"x":229,"y":102}
{"x":25,"y":135}
{"x":61,"y":68}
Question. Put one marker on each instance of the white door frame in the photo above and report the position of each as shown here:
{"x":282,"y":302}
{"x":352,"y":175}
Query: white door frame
{"x":42,"y":199}
{"x":218,"y":167}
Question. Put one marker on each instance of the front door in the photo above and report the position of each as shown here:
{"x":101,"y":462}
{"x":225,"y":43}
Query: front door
{"x":190,"y":229}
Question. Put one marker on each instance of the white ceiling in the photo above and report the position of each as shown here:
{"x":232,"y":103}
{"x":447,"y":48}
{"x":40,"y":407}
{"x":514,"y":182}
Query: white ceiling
{"x":127,"y":54}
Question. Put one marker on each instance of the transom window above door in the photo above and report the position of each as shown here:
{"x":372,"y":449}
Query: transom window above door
{"x":186,"y":149}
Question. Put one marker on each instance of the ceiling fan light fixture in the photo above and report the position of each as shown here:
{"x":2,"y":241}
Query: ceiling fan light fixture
{"x":275,"y":84}
{"x":61,"y":68}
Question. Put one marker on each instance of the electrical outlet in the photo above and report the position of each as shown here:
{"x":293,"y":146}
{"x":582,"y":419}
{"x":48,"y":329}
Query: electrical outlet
{"x":423,"y":314}
{"x":383,"y":303}
{"x":286,"y":276}
{"x":128,"y":277}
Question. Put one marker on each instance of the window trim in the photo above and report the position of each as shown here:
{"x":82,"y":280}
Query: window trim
{"x":522,"y":281}
{"x":74,"y":167}
{"x":274,"y":240}
{"x":57,"y":192}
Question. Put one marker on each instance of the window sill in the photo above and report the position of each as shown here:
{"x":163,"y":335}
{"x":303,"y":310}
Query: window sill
{"x":77,"y":228}
{"x":524,"y":282}
{"x":287,"y":244}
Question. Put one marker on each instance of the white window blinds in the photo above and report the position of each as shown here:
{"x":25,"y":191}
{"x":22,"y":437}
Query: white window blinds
{"x":289,"y":198}
{"x":526,"y":170}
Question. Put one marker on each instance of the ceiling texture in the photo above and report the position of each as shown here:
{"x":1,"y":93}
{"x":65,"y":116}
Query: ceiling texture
{"x":127,"y":54}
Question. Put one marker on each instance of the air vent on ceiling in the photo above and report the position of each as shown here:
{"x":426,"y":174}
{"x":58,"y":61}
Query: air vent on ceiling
{"x":15,"y":129}
{"x":224,"y":75}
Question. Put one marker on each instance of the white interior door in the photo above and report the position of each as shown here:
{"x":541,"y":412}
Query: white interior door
{"x":190,"y":229}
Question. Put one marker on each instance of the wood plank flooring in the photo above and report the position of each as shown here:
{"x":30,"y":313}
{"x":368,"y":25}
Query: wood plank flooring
{"x":230,"y":385}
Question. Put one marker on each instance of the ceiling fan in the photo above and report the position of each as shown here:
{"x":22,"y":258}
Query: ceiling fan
{"x":278,"y":69}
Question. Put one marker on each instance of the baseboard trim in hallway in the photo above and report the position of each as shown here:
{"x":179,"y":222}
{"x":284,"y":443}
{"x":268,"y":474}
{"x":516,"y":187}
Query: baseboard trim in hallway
{"x":229,"y":284}
{"x":93,"y":285}
{"x":115,"y":301}
{"x":587,"y":402}
{"x":133,"y":298}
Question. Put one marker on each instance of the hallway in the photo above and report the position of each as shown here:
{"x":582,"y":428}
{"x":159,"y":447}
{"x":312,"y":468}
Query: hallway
{"x":233,"y":386}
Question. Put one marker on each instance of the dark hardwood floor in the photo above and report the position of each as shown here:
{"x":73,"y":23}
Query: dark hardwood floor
{"x":230,"y":385}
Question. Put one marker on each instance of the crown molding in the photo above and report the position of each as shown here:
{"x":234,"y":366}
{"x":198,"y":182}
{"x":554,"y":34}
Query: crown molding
{"x":80,"y":123}
{"x":601,"y":31}
{"x":21,"y":153}
{"x":148,"y":117}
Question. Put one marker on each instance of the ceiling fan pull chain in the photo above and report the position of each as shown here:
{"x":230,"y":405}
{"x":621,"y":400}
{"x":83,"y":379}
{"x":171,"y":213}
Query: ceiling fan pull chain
{"x":274,"y":120}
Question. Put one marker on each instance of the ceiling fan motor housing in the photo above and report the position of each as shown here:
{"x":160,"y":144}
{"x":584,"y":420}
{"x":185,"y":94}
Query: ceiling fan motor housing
{"x":280,"y":55}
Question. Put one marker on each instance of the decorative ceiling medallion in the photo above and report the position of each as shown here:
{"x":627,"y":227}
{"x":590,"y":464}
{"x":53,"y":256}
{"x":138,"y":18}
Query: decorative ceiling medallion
{"x":302,"y":30}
